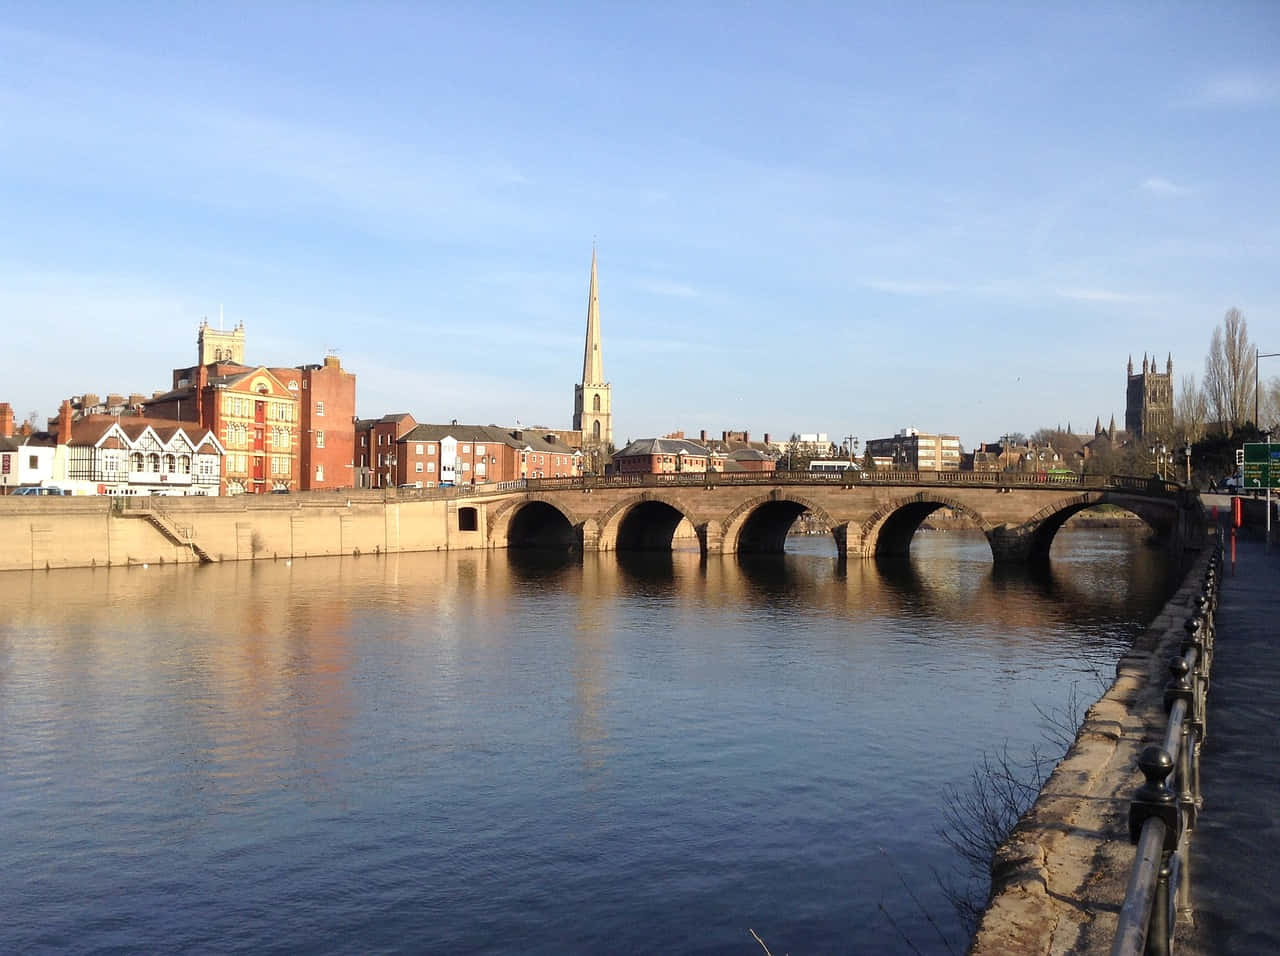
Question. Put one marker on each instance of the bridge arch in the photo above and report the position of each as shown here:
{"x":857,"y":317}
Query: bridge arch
{"x":645,"y":522}
{"x":534,"y":520}
{"x":1034,"y":537}
{"x":760,"y":524}
{"x":890,"y":528}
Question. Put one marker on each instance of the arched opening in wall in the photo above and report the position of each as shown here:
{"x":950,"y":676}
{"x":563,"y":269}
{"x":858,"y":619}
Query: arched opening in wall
{"x":1076,"y":531}
{"x":538,"y":525}
{"x":468,"y":519}
{"x":595,"y":430}
{"x":595,"y":403}
{"x":649,"y":526}
{"x":767,"y":528}
{"x":895,"y":534}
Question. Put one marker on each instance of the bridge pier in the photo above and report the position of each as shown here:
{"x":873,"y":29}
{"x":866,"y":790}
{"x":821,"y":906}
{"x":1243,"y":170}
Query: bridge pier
{"x":711,"y":537}
{"x":590,"y":534}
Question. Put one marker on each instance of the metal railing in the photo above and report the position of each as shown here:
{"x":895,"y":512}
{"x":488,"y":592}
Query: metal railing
{"x":1163,"y":811}
{"x":1148,"y":487}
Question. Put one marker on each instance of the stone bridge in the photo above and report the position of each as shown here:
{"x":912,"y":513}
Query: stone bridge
{"x":872,"y":514}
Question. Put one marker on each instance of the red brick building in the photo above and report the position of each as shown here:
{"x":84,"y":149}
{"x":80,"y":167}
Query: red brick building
{"x":326,"y":423}
{"x":375,"y":449}
{"x":432,"y":455}
{"x":662,"y":456}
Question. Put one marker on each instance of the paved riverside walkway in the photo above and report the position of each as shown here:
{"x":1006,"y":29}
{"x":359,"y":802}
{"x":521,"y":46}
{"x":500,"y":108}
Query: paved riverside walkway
{"x":1235,"y":849}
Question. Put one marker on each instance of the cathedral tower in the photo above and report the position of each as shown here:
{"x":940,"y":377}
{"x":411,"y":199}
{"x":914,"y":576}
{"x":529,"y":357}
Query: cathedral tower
{"x":1148,"y":406}
{"x":592,"y":399}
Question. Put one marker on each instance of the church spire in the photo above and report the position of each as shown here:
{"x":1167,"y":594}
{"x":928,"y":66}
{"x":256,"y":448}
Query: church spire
{"x":592,"y":360}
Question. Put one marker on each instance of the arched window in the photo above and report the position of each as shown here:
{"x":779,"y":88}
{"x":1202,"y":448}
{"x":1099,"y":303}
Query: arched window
{"x":153,"y":462}
{"x":184,"y":465}
{"x":595,"y":404}
{"x":595,"y":431}
{"x":135,"y":461}
{"x":170,"y":464}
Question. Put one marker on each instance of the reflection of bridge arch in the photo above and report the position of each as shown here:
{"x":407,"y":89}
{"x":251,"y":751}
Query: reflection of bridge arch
{"x":890,"y":528}
{"x":643,"y":522}
{"x":534,"y":521}
{"x":760,"y":524}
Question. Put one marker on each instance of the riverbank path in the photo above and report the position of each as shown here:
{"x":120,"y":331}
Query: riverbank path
{"x":1235,"y":850}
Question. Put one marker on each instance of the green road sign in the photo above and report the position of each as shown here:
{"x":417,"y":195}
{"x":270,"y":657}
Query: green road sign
{"x":1261,"y":465}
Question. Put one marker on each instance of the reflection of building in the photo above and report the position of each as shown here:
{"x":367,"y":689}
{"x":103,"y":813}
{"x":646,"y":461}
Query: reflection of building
{"x":912,"y":450}
{"x":592,"y":398}
{"x":1148,"y":405}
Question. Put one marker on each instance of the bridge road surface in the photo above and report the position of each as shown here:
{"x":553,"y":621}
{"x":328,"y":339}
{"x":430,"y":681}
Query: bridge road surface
{"x":1235,"y":849}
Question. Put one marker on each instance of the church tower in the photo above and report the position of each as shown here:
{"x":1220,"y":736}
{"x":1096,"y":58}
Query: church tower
{"x":1148,"y":407}
{"x":215,"y":345}
{"x":592,"y":399}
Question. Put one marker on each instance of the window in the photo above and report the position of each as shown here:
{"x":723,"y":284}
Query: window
{"x":431,"y":467}
{"x":319,"y":472}
{"x":595,"y":404}
{"x":170,"y":464}
{"x":320,"y":409}
{"x":33,"y":461}
{"x":464,"y":466}
{"x":480,"y":468}
{"x":479,"y":449}
{"x":595,"y":430}
{"x":153,"y":462}
{"x":417,"y":466}
{"x":418,"y":450}
{"x":320,"y":439}
{"x":466,"y":449}
{"x":431,"y":449}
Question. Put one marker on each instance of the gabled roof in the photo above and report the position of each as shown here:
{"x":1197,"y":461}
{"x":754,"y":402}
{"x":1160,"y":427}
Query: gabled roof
{"x":663,"y":446}
{"x":494,"y":434}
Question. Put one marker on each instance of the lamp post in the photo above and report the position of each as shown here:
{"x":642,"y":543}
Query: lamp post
{"x":1187,"y":451}
{"x":1256,"y":356}
{"x":852,"y":441}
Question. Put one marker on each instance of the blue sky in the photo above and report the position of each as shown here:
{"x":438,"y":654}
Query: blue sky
{"x":843,"y":218}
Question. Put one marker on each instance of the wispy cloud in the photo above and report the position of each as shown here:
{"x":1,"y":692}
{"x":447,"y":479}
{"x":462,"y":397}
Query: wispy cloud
{"x":1102,"y":295}
{"x":667,"y":287}
{"x":1237,"y":89}
{"x":918,"y":287}
{"x":1159,"y":186}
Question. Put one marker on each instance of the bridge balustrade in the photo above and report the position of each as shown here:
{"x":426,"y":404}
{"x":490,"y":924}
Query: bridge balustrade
{"x":1164,"y":810}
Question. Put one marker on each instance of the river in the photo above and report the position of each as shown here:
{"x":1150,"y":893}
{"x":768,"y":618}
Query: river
{"x":493,"y":752}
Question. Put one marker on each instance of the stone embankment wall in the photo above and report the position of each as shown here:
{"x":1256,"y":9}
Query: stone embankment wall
{"x":45,"y":532}
{"x":1059,"y":880}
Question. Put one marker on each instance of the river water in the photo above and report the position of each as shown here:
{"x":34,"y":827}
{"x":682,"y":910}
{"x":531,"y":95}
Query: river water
{"x":489,"y":752}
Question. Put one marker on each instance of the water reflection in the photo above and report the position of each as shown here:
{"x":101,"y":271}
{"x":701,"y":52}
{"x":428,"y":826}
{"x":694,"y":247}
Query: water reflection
{"x":482,"y":747}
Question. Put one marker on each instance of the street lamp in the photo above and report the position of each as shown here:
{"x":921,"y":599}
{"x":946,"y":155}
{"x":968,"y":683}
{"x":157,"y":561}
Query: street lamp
{"x":1256,"y":356}
{"x":1187,"y":451}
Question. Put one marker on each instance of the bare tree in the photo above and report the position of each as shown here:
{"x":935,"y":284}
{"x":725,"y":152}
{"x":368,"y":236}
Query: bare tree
{"x":1191,"y":410}
{"x":1229,"y":369}
{"x":1269,"y":405}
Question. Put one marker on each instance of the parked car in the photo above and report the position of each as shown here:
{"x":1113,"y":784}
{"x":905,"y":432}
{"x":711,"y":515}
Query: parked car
{"x":33,"y":490}
{"x":279,"y":491}
{"x":410,"y":486}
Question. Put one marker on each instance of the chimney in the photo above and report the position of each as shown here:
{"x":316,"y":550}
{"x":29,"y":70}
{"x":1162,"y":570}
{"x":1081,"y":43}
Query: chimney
{"x":724,"y":436}
{"x":332,"y":361}
{"x":766,"y":438}
{"x":64,"y":423}
{"x":702,"y":436}
{"x":6,"y":420}
{"x":202,"y":382}
{"x":746,"y":437}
